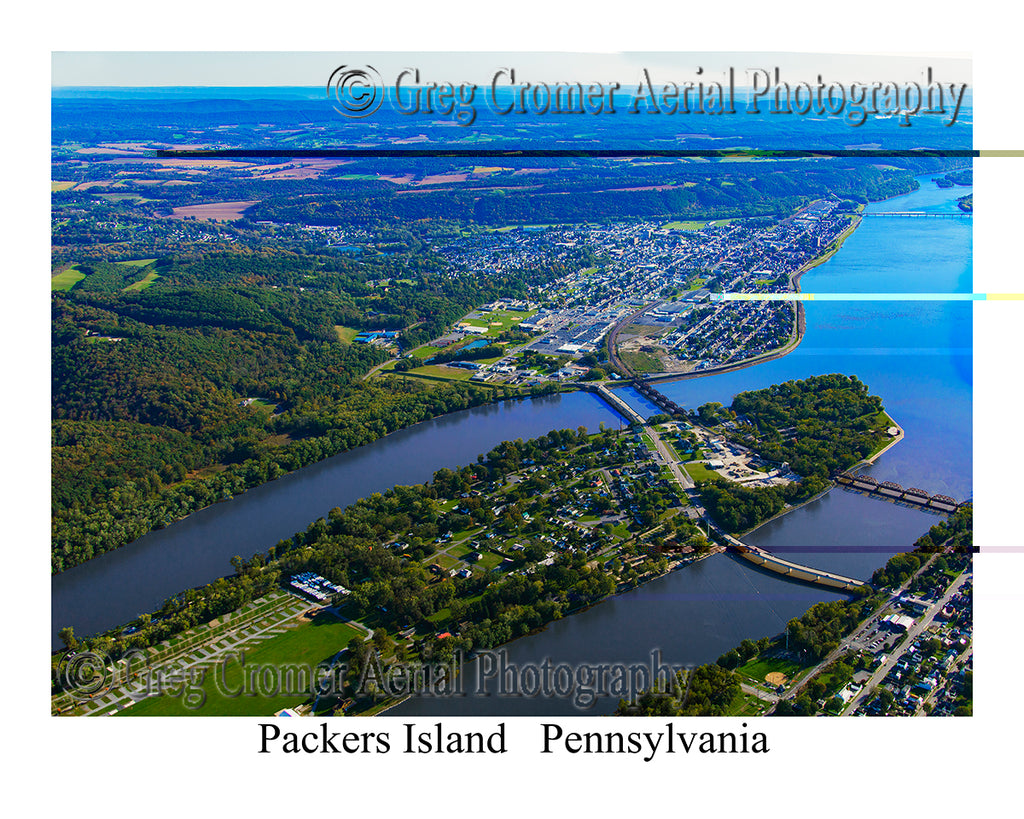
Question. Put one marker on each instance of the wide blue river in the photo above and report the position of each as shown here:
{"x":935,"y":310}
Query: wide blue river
{"x":915,"y":355}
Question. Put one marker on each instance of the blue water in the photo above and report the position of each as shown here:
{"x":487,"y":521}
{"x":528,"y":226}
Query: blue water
{"x":118,"y":586}
{"x":916,"y":355}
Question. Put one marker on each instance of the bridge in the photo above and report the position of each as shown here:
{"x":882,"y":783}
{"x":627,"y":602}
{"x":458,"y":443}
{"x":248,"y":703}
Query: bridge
{"x":661,"y":401}
{"x":615,"y":402}
{"x":762,"y":558}
{"x":891,"y":491}
{"x":920,"y":214}
{"x":766,"y":560}
{"x":794,"y":571}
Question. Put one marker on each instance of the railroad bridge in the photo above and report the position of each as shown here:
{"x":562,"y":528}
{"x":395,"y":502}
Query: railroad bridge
{"x":889,"y":490}
{"x":920,"y":214}
{"x":660,"y":400}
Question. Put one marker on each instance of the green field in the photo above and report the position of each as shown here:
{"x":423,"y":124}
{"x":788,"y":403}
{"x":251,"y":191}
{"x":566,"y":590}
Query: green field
{"x":61,"y":185}
{"x":144,"y":282}
{"x":301,"y":647}
{"x":699,"y":472}
{"x":488,"y":561}
{"x":447,"y":373}
{"x":757,"y":669}
{"x":137,"y":262}
{"x":692,"y":225}
{"x":746,"y":705}
{"x":506,"y":228}
{"x":66,"y":280}
{"x":498,"y":321}
{"x":642,"y":362}
{"x":345,"y":334}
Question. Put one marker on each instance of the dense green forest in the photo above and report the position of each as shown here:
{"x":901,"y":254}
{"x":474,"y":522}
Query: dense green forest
{"x":737,"y":508}
{"x":705,"y":691}
{"x":224,"y":374}
{"x":710,"y":191}
{"x":819,"y":425}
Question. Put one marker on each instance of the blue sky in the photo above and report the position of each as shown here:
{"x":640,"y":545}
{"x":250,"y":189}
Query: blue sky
{"x":290,"y":68}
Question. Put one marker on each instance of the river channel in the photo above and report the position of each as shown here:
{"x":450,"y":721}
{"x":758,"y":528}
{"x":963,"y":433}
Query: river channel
{"x":915,"y":354}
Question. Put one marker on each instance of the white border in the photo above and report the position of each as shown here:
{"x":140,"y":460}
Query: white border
{"x":825,"y":766}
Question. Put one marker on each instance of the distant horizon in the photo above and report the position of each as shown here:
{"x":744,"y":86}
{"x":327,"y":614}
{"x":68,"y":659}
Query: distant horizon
{"x":239,"y":69}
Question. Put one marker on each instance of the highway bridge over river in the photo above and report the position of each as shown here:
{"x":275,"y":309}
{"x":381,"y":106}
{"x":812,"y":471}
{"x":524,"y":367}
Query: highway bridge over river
{"x":882,"y":489}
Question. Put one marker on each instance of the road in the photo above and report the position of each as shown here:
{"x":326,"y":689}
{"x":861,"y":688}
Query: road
{"x":912,"y":634}
{"x":680,"y":474}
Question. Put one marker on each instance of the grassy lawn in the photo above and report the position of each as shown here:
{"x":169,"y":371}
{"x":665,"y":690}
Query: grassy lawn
{"x":699,"y":472}
{"x":498,"y":321}
{"x":345,"y":334}
{"x":137,"y":262}
{"x":66,"y":280}
{"x":757,"y":669}
{"x":445,"y":561}
{"x":426,"y":351}
{"x":621,"y":529}
{"x":462,"y":550}
{"x":144,"y":282}
{"x":488,"y":561}
{"x":642,"y":362}
{"x":305,"y":646}
{"x":689,"y":225}
{"x":673,"y":449}
{"x":746,"y":705}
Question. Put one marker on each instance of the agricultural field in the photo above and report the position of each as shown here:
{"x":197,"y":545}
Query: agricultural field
{"x":66,"y":279}
{"x":227,"y":211}
{"x":144,"y":282}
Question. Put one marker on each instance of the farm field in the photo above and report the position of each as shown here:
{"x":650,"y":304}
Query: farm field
{"x":66,"y":279}
{"x":229,"y":211}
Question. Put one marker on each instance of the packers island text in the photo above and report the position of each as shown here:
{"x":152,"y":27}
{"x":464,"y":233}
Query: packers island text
{"x":555,"y":739}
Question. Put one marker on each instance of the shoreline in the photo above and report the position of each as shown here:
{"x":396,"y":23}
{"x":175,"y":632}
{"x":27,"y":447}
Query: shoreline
{"x":679,"y":566}
{"x":796,"y":337}
{"x":236,"y":495}
{"x":861,"y":463}
{"x":795,"y":340}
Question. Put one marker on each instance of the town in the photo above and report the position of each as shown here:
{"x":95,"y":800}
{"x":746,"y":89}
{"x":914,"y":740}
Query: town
{"x":656,"y":282}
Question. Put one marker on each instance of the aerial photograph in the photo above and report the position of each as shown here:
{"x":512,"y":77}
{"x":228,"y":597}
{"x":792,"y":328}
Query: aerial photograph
{"x":530,"y":384}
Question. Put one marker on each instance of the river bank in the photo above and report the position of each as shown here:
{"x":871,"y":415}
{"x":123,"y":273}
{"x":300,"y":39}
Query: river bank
{"x":919,"y":359}
{"x":796,"y":335}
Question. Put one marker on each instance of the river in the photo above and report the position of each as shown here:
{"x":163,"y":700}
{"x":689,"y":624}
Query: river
{"x":915,"y":355}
